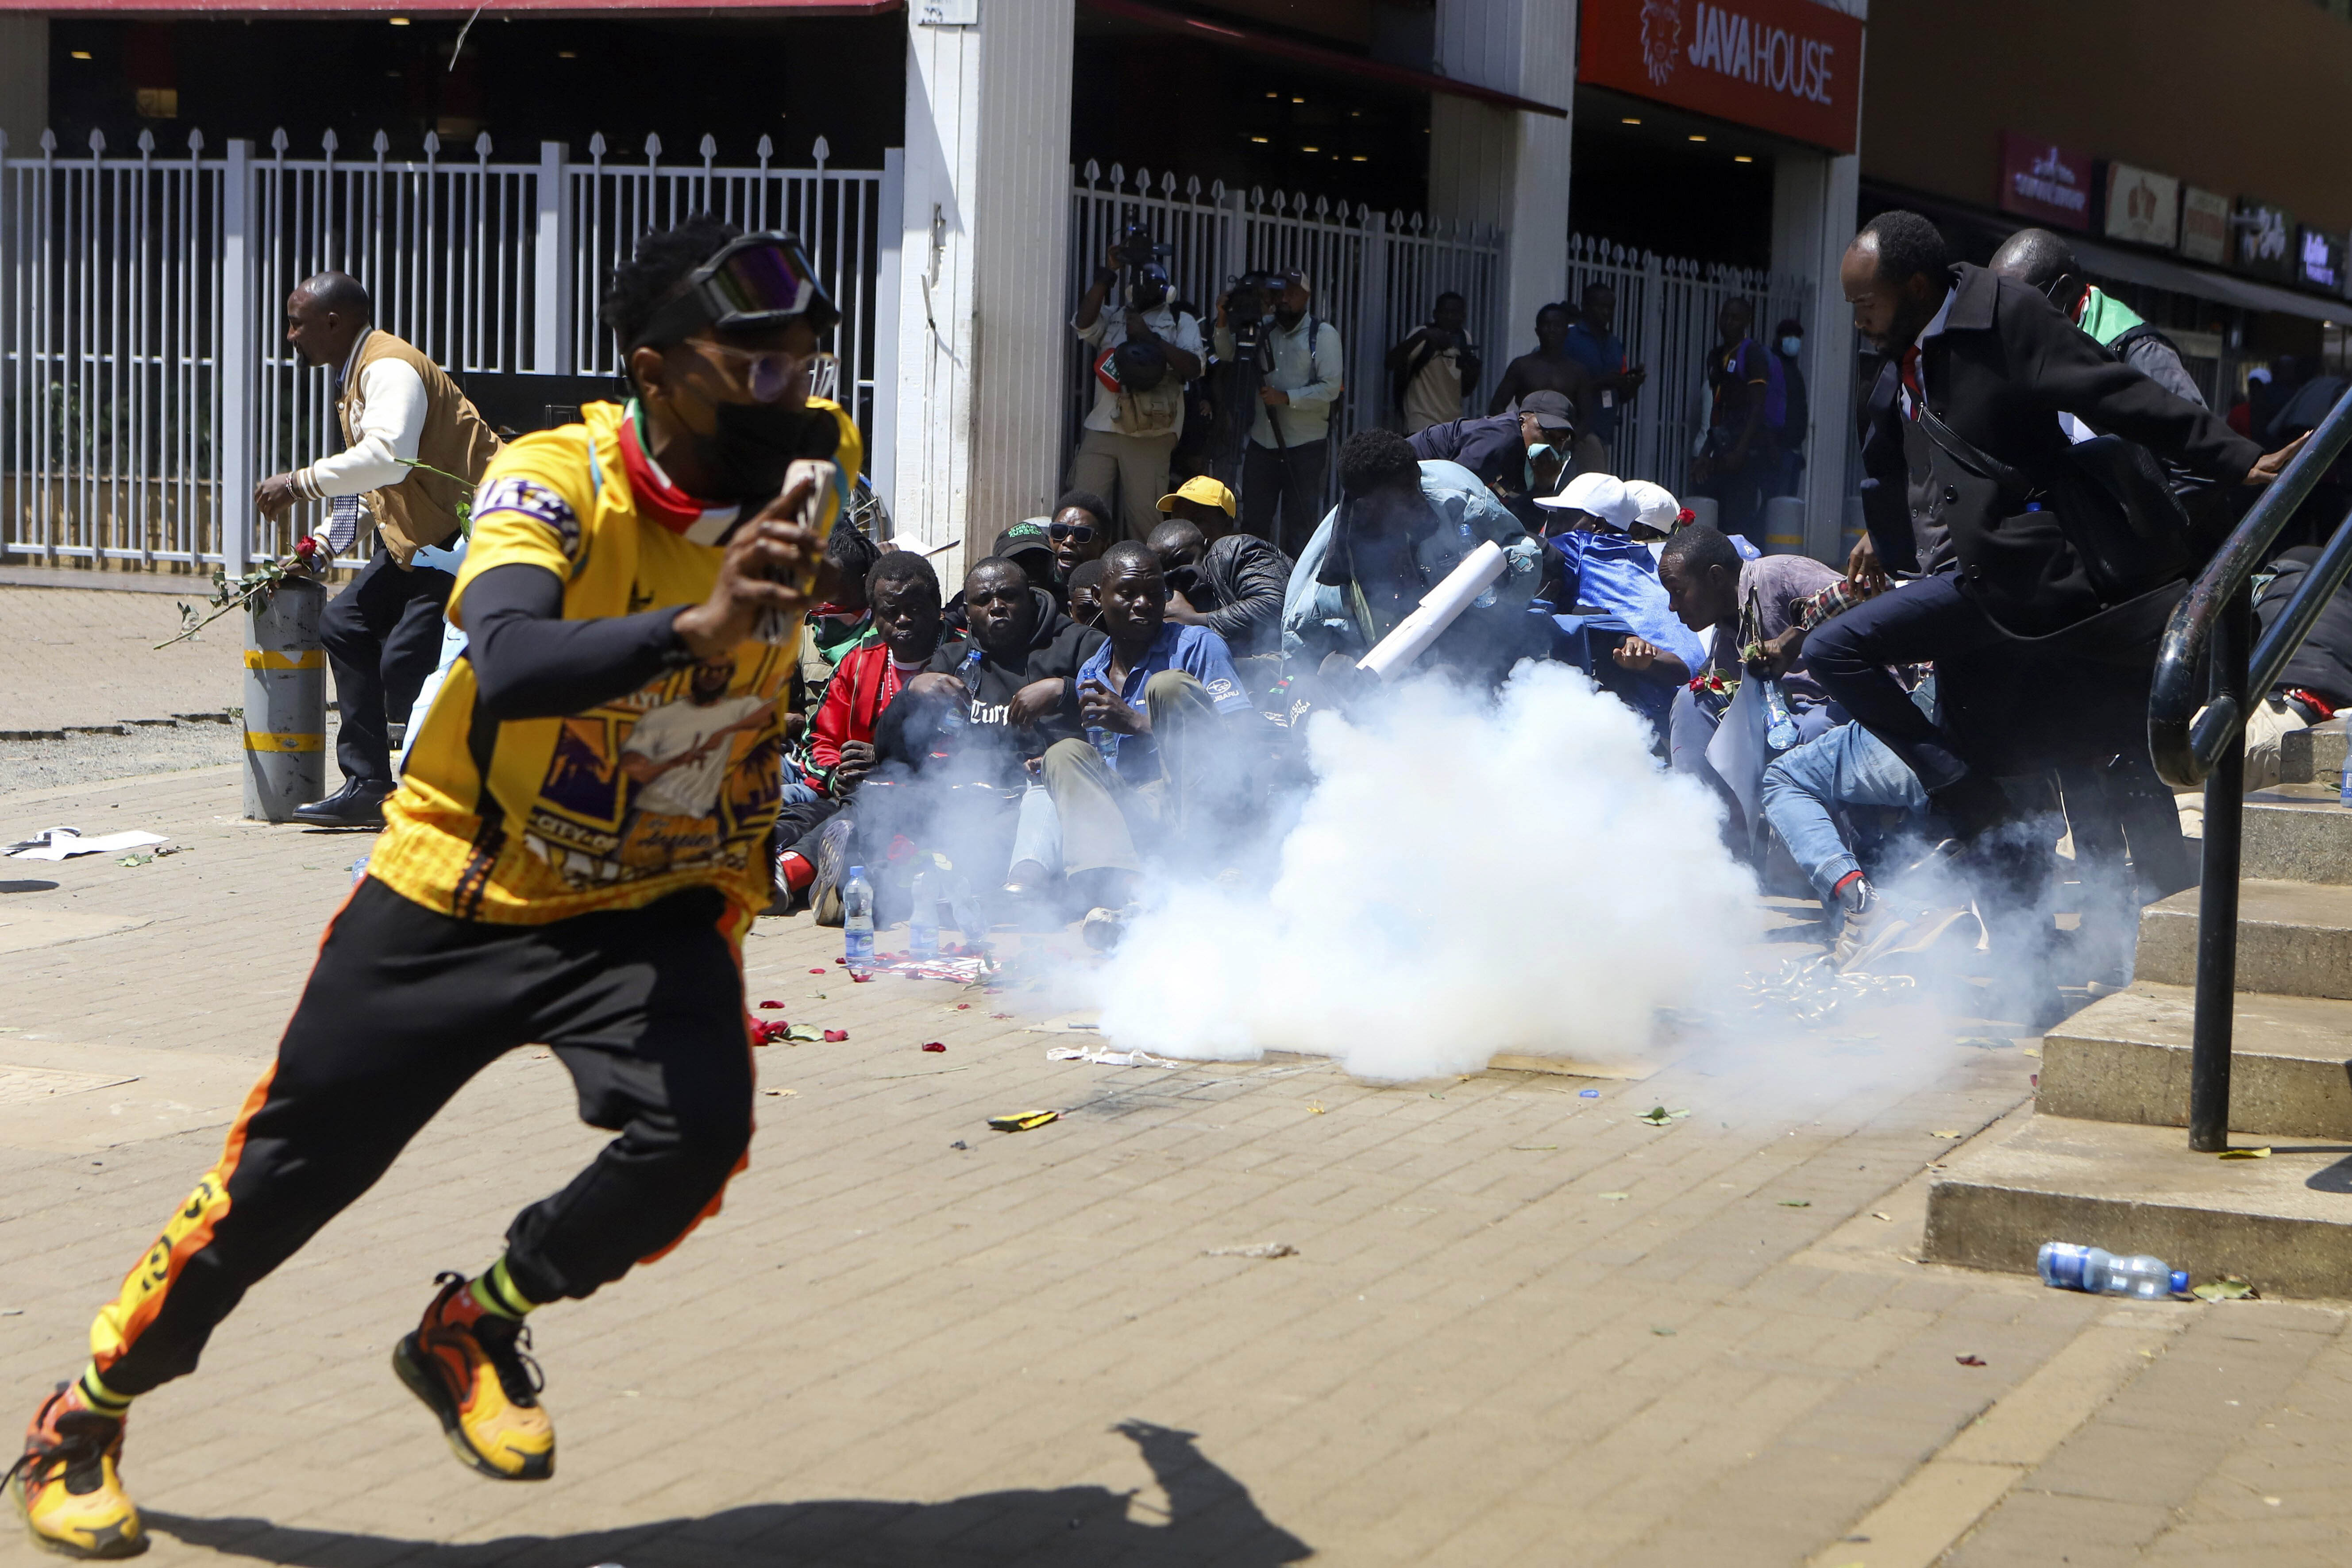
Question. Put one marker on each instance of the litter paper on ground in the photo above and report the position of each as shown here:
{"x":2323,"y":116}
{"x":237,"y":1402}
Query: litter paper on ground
{"x":63,"y":843}
{"x":1109,"y":1059}
{"x":1813,"y":990}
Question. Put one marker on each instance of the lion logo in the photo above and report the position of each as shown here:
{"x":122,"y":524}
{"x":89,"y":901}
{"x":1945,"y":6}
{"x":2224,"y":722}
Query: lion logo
{"x":1662,"y":37}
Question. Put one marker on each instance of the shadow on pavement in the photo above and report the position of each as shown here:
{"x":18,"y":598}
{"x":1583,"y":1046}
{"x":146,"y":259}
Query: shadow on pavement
{"x":1212,"y":1522}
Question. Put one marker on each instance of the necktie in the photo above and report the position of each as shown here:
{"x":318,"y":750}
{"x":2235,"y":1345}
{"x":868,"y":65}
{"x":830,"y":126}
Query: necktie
{"x":1911,"y":385}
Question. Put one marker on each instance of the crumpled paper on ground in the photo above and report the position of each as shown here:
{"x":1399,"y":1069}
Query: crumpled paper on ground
{"x":63,"y":843}
{"x":1109,"y":1059}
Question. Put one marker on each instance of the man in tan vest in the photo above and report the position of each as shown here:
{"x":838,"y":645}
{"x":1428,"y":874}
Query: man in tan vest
{"x":401,"y":418}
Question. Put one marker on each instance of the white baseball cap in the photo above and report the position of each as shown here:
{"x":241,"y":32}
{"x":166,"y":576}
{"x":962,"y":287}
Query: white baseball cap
{"x":1655,"y":506}
{"x":1602,"y":495}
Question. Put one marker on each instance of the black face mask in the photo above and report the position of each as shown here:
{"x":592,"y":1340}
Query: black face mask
{"x":746,"y":456}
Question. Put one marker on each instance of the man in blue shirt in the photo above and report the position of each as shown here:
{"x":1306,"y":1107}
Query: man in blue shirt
{"x":1592,"y":342}
{"x":1164,"y":698}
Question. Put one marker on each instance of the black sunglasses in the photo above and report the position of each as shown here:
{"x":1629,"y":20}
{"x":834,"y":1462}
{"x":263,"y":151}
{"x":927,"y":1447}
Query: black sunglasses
{"x":1077,"y":532}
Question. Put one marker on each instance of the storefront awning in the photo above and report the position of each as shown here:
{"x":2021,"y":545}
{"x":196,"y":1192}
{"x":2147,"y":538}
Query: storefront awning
{"x":2160,"y":272}
{"x":461,"y":9}
{"x":1263,"y":43}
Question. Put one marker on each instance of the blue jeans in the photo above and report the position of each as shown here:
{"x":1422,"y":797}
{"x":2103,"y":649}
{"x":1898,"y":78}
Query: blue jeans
{"x":1848,"y":766}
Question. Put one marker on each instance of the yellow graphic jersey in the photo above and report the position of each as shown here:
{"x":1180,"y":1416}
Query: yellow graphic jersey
{"x":673,"y":785}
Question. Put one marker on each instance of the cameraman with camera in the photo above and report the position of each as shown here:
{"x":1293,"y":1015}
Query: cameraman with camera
{"x":1143,"y":355}
{"x":1294,"y":361}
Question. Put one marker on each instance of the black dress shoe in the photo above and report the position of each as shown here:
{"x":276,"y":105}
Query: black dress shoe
{"x":359,"y":803}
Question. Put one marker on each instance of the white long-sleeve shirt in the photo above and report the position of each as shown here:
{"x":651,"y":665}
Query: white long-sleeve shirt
{"x":1313,"y":373}
{"x":387,"y":423}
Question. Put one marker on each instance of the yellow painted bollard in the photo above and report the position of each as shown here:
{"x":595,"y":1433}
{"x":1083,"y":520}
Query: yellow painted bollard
{"x":285,"y":700}
{"x":1784,"y":526}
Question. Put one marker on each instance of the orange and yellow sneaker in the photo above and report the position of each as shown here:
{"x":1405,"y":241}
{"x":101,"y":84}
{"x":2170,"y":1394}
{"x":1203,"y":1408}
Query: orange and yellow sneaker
{"x":469,"y":1368}
{"x":67,"y":1482}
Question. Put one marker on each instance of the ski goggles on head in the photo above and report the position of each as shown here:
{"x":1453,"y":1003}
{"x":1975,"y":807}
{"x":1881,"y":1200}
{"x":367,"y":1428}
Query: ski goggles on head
{"x":755,"y":281}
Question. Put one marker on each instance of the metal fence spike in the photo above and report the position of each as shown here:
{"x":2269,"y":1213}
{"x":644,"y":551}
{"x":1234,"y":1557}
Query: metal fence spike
{"x":653,"y":145}
{"x":767,"y":148}
{"x":1117,"y":175}
{"x":48,"y":141}
{"x":710,"y":146}
{"x":822,"y":151}
{"x":596,"y":145}
{"x":329,"y":142}
{"x":381,"y":145}
{"x":1192,"y":188}
{"x":431,"y":143}
{"x":482,"y":145}
{"x":146,"y":142}
{"x":196,"y":141}
{"x":98,"y":142}
{"x":277,"y":141}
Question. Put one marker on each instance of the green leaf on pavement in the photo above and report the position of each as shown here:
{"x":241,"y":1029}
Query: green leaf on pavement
{"x":1658,"y":1116}
{"x":1796,"y":1203}
{"x":2229,"y":1288}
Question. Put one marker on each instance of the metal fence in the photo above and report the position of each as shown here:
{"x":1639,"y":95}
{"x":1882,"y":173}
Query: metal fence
{"x":1375,"y":274}
{"x":145,"y":385}
{"x":1666,"y":310}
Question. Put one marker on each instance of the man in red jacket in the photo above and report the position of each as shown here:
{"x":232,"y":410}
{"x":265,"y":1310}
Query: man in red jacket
{"x":905,"y":594}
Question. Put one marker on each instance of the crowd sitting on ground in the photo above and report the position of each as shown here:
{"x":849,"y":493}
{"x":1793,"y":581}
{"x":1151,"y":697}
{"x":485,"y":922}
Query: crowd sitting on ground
{"x":1101,"y":699}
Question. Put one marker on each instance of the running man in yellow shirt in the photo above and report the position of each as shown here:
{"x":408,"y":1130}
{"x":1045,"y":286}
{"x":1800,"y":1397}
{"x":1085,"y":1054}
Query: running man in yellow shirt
{"x":572,"y":858}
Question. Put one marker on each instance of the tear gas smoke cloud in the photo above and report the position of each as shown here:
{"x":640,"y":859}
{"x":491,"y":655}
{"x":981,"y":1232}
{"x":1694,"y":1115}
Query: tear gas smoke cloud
{"x":1464,"y":879}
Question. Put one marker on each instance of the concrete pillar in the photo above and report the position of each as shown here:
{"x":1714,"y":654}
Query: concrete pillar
{"x":978,"y":441}
{"x":24,"y":82}
{"x":1507,"y":167}
{"x":1814,"y":199}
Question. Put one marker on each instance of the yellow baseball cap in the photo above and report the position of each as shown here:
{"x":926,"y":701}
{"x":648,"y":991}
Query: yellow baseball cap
{"x":1202,"y":488}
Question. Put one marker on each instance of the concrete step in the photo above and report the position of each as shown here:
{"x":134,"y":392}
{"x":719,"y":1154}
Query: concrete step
{"x":2125,"y":1058}
{"x":2294,"y":939}
{"x":2297,"y":833}
{"x":2283,"y":1223}
{"x":2314,"y":755}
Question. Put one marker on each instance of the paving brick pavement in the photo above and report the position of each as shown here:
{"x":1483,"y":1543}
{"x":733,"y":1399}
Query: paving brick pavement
{"x":1521,"y":1326}
{"x":83,"y":657}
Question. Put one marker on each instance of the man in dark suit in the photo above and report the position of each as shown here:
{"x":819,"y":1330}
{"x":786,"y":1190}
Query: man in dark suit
{"x":1978,"y":363}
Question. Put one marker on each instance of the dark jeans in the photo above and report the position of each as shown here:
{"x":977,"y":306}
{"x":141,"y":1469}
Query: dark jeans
{"x":383,"y":637}
{"x":1929,"y":619}
{"x":1292,"y":477}
{"x":1740,"y":492}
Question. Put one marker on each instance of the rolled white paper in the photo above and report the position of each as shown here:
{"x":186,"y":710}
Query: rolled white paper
{"x":1436,"y":611}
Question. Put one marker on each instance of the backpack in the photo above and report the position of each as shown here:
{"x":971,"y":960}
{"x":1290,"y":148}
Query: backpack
{"x":1776,"y":385}
{"x":1150,"y":401}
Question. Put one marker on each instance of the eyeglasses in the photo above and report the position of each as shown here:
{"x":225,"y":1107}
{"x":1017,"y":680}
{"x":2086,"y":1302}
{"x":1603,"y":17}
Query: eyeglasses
{"x":1076,"y":533}
{"x":766,"y":373}
{"x":755,"y":281}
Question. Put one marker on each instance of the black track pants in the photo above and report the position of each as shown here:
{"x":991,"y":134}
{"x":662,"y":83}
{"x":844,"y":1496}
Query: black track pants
{"x":644,"y":1006}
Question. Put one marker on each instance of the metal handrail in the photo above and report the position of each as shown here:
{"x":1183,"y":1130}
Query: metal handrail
{"x":2211,"y":631}
{"x":2177,"y":693}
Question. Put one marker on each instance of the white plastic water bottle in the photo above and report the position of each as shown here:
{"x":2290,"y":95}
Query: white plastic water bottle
{"x":1485,"y":601}
{"x":970,"y":920}
{"x":923,"y":920}
{"x":857,"y":923}
{"x":958,"y":714}
{"x":2093,"y":1269}
{"x":1779,"y":725}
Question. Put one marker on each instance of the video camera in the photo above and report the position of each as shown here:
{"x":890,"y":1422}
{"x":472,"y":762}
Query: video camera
{"x":1140,"y":258}
{"x":1249,"y":302}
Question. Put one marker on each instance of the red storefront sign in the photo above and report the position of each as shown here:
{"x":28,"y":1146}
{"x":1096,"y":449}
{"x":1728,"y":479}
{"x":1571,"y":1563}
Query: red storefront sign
{"x":2044,"y":183}
{"x":1790,"y":66}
